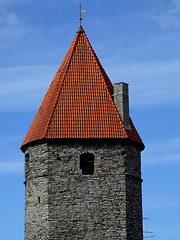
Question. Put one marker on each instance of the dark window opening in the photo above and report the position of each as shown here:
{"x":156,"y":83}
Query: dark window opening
{"x":27,"y":157}
{"x":39,"y":200}
{"x":123,"y":153}
{"x":87,"y":164}
{"x":26,"y":165}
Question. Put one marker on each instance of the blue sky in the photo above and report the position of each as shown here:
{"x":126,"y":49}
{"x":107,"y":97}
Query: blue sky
{"x":138,"y":42}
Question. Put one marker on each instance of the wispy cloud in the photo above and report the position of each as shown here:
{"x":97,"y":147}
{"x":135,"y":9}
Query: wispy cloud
{"x":162,"y":152}
{"x":16,"y":166}
{"x":151,"y":83}
{"x":8,"y":18}
{"x":23,"y":88}
{"x":7,"y":15}
{"x":171,"y":17}
{"x":9,"y":139}
{"x":167,"y":20}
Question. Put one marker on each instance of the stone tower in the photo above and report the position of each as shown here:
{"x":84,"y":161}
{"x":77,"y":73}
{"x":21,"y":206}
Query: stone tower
{"x":82,"y":156}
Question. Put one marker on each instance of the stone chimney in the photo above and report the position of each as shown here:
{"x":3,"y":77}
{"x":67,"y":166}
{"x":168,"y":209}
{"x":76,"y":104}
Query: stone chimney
{"x":121,"y":100}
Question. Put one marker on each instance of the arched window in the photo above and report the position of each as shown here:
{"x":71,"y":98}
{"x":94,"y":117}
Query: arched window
{"x":87,"y":164}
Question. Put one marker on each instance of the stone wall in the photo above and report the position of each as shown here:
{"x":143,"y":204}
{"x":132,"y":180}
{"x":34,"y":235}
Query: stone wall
{"x":62,"y":204}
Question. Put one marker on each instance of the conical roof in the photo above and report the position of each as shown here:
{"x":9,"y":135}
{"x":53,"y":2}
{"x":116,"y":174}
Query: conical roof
{"x":79,"y":102}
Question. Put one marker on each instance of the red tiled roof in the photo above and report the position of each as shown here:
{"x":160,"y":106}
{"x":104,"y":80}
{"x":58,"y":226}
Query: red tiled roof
{"x":78,"y":103}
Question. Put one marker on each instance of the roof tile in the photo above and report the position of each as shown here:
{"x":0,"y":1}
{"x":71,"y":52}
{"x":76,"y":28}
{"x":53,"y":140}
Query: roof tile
{"x":79,"y":103}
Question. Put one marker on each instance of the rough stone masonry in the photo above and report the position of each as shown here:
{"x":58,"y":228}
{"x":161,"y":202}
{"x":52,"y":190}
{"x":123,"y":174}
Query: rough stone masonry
{"x":62,"y":204}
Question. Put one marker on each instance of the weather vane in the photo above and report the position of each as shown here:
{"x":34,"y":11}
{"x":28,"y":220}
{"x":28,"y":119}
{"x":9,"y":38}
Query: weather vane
{"x":81,"y":11}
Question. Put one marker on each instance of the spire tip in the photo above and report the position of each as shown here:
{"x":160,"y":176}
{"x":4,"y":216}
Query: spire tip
{"x":81,"y":11}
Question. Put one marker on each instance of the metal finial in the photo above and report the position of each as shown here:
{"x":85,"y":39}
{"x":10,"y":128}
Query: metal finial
{"x":80,"y":18}
{"x":81,"y":11}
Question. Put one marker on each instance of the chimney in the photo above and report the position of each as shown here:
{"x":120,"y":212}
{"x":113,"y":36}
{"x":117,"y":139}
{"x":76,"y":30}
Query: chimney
{"x":121,"y":100}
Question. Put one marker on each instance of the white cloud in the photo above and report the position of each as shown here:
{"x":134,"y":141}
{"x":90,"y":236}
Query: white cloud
{"x":23,"y":88}
{"x":151,"y":83}
{"x":9,"y":139}
{"x":8,"y":18}
{"x":162,"y":152}
{"x":167,"y":20}
{"x":170,"y":17}
{"x":16,"y":166}
{"x":177,"y":4}
{"x":9,"y":35}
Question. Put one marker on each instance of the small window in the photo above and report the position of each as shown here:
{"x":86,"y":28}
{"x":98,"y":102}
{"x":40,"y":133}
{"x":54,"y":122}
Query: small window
{"x":27,"y":157}
{"x":26,"y":165}
{"x":87,"y":164}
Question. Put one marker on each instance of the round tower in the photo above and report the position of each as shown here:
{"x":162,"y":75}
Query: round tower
{"x":82,"y":156}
